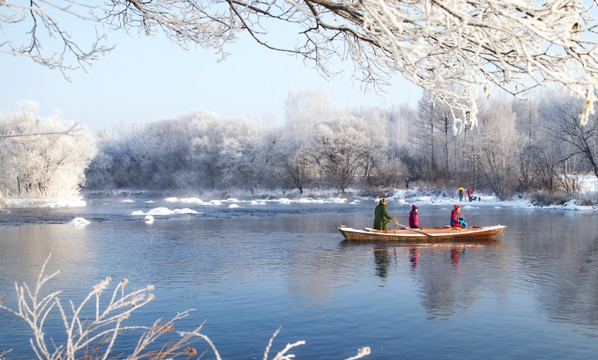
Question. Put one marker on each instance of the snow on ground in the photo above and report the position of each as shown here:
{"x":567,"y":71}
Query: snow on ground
{"x":45,"y":203}
{"x":403,"y":197}
{"x":589,"y":184}
{"x":399,"y":197}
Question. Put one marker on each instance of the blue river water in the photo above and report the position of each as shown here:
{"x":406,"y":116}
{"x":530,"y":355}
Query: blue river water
{"x":251,"y":269}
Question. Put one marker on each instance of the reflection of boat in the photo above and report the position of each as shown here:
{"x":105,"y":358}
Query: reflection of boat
{"x":425,"y":235}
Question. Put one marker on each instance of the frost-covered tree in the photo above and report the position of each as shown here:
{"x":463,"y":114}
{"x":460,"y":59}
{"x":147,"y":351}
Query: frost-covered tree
{"x":100,"y":174}
{"x":298,"y":167}
{"x":340,"y":148}
{"x":168,"y":146}
{"x":400,"y":117}
{"x":435,"y":136}
{"x":528,"y":124}
{"x":447,"y":47}
{"x":303,"y":111}
{"x":562,"y":123}
{"x":387,"y":129}
{"x":42,"y":156}
{"x":206,"y":149}
{"x":197,"y":151}
{"x":120,"y":162}
{"x":492,"y":149}
{"x":429,"y":112}
{"x":241,"y":155}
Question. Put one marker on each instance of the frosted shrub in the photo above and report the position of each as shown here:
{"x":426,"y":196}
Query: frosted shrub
{"x":94,"y":337}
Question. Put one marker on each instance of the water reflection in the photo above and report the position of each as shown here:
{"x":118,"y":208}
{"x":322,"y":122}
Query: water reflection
{"x":457,"y":255}
{"x":413,"y":259}
{"x":382,"y":259}
{"x":456,"y":252}
{"x":563,"y":272}
{"x":538,"y":284}
{"x":560,"y":270}
{"x":68,"y":245}
{"x":436,"y":269}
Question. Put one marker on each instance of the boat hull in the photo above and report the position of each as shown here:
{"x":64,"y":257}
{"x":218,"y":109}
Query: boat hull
{"x":426,"y":235}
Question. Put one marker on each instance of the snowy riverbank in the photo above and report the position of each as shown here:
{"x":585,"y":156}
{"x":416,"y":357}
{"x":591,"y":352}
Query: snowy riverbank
{"x":400,"y":196}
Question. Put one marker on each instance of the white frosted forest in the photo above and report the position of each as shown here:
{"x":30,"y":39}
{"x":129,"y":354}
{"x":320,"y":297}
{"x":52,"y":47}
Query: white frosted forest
{"x":462,"y":53}
{"x":532,"y":148}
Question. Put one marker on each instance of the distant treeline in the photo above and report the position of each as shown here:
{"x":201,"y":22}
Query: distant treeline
{"x":519,"y":146}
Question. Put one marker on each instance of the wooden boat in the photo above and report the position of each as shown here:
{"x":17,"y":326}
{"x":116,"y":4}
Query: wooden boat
{"x":422,"y":236}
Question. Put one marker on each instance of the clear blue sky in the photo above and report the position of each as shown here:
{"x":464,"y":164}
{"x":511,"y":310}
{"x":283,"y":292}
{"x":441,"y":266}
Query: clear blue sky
{"x":146,"y":78}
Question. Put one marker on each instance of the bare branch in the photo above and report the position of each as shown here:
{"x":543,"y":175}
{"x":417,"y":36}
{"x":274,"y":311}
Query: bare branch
{"x":452,"y":48}
{"x":70,"y":131}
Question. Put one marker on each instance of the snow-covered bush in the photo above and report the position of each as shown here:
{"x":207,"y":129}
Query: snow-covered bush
{"x":42,"y":157}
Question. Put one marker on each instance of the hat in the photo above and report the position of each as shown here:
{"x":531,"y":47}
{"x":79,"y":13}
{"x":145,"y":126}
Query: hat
{"x":457,"y":207}
{"x":413,"y":207}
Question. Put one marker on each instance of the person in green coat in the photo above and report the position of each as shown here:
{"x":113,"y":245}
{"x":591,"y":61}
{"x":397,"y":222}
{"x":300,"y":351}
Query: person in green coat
{"x":381,"y":217}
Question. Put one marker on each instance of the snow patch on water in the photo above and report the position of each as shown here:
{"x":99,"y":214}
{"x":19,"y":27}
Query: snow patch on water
{"x":164,"y":211}
{"x":80,"y":222}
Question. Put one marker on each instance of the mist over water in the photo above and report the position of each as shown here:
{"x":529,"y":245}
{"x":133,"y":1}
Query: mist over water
{"x":250,"y":269}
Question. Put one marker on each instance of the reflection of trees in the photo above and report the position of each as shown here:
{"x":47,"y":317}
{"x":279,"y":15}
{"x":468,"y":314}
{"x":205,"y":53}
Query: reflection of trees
{"x":21,"y":259}
{"x":563,"y":271}
{"x":584,"y":304}
{"x":443,"y":289}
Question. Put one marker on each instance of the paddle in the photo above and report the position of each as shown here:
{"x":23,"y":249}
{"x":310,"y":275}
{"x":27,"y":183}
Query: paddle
{"x":414,"y":230}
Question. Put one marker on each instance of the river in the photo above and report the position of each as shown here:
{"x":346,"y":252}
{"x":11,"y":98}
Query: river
{"x":251,"y":268}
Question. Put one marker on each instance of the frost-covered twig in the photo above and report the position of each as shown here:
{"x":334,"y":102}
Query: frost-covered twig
{"x":81,"y":332}
{"x":196,"y":333}
{"x":361,"y":353}
{"x":282,"y":355}
{"x":157,"y":330}
{"x":35,"y":311}
{"x":106,"y":322}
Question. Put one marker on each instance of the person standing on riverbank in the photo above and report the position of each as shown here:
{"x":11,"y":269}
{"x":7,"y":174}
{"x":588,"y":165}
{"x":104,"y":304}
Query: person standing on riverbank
{"x":468,"y":193}
{"x":381,"y":216}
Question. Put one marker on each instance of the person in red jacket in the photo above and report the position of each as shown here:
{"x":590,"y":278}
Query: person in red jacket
{"x":456,"y":219}
{"x":414,"y":218}
{"x":468,"y":193}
